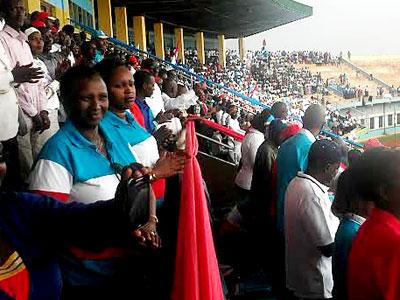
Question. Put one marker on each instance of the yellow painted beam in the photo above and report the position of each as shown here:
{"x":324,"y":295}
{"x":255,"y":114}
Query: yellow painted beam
{"x":200,"y":47}
{"x":62,"y":13}
{"x":93,"y":15}
{"x":180,"y":44}
{"x":159,"y":39}
{"x":242,"y":52}
{"x":139,"y":32}
{"x":222,"y":50}
{"x":104,"y":16}
{"x":121,"y":23}
{"x":32,"y":5}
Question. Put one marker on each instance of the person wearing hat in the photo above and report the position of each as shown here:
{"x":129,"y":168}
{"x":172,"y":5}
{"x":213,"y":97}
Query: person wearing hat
{"x":100,"y":39}
{"x":310,"y":225}
{"x":50,"y":121}
{"x":263,"y":184}
{"x":42,"y":19}
{"x":133,"y":64}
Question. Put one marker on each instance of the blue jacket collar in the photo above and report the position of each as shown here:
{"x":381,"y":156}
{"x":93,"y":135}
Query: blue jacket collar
{"x":114,"y":120}
{"x":78,"y":140}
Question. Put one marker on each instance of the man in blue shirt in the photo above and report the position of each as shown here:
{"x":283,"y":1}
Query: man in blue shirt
{"x":292,"y":155}
{"x":101,"y":44}
{"x":292,"y":158}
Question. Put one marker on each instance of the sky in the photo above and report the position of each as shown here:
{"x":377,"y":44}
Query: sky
{"x":362,"y":27}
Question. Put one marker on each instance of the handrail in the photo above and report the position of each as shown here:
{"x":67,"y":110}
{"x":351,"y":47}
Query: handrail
{"x":361,"y":70}
{"x":202,"y":78}
{"x":217,"y":158}
{"x":214,"y":141}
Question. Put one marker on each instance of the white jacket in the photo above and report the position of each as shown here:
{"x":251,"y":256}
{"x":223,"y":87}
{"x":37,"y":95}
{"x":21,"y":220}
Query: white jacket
{"x":8,"y":99}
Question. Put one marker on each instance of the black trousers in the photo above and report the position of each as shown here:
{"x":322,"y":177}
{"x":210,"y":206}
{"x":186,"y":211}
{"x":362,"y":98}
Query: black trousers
{"x":12,"y":181}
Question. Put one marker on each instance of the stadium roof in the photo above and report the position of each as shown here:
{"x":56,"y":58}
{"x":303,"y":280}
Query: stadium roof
{"x":234,"y":18}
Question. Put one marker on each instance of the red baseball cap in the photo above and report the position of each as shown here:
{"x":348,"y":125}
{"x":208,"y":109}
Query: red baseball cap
{"x":38,"y":24}
{"x":133,"y":60}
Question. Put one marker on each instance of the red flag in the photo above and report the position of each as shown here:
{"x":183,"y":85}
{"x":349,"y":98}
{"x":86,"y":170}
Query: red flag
{"x":197,"y":275}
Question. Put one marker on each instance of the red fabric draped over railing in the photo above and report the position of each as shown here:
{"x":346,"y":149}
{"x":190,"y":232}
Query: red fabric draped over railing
{"x":196,"y":275}
{"x":236,"y":135}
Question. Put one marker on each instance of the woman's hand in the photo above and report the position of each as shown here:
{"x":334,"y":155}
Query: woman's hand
{"x":163,"y":117}
{"x":169,"y":164}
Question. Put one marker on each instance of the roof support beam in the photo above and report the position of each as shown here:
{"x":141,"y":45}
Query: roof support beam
{"x":179,"y":40}
{"x":200,"y":47}
{"x":222,"y":50}
{"x":139,"y":32}
{"x":121,"y":23}
{"x":159,"y":39}
{"x":242,"y":52}
{"x":104,"y":16}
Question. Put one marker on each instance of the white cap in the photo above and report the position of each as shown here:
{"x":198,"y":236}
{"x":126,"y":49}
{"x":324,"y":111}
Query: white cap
{"x":31,"y":30}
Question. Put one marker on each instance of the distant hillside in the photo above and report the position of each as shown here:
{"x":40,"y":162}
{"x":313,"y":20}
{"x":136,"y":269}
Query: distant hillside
{"x":329,"y":71}
{"x":384,"y":67}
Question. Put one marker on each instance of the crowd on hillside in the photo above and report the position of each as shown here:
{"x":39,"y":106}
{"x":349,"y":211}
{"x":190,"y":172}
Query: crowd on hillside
{"x":94,"y":137}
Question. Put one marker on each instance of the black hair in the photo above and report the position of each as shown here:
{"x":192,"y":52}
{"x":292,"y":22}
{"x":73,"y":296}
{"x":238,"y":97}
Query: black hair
{"x":69,"y":82}
{"x":346,"y":194}
{"x":86,"y":47}
{"x":43,"y":30}
{"x":162,"y":72}
{"x":82,"y":34}
{"x":323,"y":153}
{"x":141,"y":77}
{"x":34,"y":14}
{"x":314,"y":116}
{"x":148,"y":63}
{"x":352,"y":156}
{"x":376,"y":170}
{"x":231,"y":106}
{"x":6,"y":6}
{"x":266,"y":112}
{"x":68,"y":29}
{"x":277,"y":108}
{"x":107,"y":67}
{"x":258,"y":123}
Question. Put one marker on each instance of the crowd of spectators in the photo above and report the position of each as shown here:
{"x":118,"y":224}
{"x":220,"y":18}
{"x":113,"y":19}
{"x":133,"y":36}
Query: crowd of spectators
{"x":83,"y":121}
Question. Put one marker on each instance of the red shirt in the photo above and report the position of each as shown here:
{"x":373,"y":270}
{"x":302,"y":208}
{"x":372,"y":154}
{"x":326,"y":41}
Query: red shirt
{"x":374,"y":262}
{"x":137,"y":113}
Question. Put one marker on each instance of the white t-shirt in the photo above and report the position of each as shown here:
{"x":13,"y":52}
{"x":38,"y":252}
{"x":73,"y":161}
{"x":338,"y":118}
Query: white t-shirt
{"x":51,"y":86}
{"x":234,"y":124}
{"x":250,"y":145}
{"x":309,"y":223}
{"x":219,"y":115}
{"x":8,"y":99}
{"x":155,"y":102}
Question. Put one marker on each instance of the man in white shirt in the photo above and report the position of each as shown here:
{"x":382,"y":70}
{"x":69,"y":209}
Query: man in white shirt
{"x":155,"y":101}
{"x":251,"y":142}
{"x":51,"y":87}
{"x":310,"y":225}
{"x":9,"y":78}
